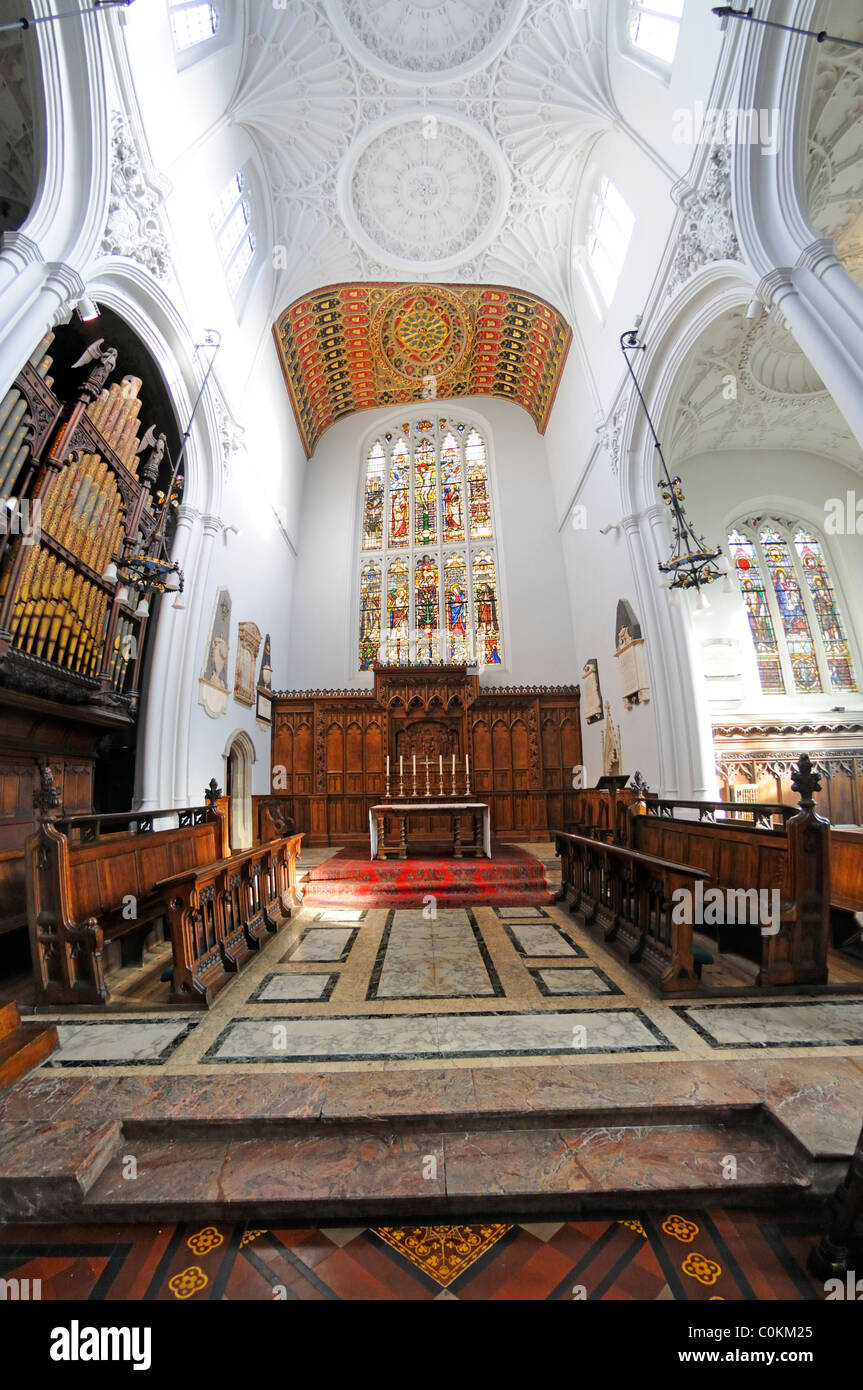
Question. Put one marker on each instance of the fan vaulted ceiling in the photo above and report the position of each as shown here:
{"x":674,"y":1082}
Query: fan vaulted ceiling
{"x":424,"y":139}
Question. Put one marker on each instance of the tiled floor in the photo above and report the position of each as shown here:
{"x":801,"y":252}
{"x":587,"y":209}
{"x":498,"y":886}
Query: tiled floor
{"x":699,"y":1255}
{"x":345,"y":989}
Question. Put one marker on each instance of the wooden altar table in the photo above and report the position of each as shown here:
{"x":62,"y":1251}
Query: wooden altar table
{"x":479,"y":810}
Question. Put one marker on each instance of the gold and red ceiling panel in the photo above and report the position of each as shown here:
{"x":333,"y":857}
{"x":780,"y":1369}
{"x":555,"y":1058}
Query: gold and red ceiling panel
{"x":352,"y":347}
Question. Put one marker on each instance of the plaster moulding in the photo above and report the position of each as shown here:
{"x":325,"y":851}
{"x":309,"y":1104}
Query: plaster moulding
{"x":133,"y":227}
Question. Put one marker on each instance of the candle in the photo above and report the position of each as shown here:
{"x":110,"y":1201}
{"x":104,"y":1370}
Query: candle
{"x":415,"y":764}
{"x":401,"y":761}
{"x":467,"y":763}
{"x":388,"y":764}
{"x":453,"y":764}
{"x":440,"y":765}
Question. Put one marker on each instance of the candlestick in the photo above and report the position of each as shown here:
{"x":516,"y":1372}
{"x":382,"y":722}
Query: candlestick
{"x":415,"y":774}
{"x":453,"y":775}
{"x":428,"y":780}
{"x":440,"y":773}
{"x":387,"y":793}
{"x":467,"y":774}
{"x":401,"y":775}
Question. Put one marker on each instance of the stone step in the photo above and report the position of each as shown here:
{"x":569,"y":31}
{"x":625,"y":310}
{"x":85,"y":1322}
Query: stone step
{"x":47,"y":1169}
{"x":23,"y":1046}
{"x":354,"y":1171}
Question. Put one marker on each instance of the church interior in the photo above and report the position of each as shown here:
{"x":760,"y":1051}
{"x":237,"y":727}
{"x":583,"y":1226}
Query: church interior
{"x":431,"y":651}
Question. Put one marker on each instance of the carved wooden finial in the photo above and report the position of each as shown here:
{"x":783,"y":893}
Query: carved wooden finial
{"x":639,"y":784}
{"x":46,"y":797}
{"x":212,"y":792}
{"x":805,"y":780}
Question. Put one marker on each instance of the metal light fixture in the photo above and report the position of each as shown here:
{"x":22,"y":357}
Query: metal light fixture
{"x":692,"y":563}
{"x":155,"y":571}
{"x":67,"y":14}
{"x":726,"y":12}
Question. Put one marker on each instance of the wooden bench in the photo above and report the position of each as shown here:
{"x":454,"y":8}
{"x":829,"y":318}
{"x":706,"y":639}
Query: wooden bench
{"x":755,"y":846}
{"x":94,"y":879}
{"x":220,"y":913}
{"x":627,"y":898}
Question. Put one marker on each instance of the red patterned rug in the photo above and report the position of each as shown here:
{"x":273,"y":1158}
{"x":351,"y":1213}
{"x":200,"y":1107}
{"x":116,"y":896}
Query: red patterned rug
{"x":350,"y":879}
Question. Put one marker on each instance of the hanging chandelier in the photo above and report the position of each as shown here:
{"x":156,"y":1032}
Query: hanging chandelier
{"x":692,"y":564}
{"x":152,"y":570}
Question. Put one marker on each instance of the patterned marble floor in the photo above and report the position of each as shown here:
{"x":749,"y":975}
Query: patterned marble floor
{"x":352,"y":989}
{"x":658,"y":1255}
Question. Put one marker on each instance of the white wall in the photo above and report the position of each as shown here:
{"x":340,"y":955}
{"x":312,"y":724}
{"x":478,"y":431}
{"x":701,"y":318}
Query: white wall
{"x":537,"y":623}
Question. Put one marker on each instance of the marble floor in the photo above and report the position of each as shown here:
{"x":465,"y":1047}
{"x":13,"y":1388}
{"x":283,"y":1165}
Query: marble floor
{"x":351,"y":989}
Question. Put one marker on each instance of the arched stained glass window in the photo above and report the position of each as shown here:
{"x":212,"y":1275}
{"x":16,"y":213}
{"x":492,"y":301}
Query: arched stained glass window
{"x":479,"y":505}
{"x":486,"y":606}
{"x":827,"y":615}
{"x":427,"y":543}
{"x":400,"y":503}
{"x":800,"y":638}
{"x":745,"y":561}
{"x":373,"y":512}
{"x":370,"y":614}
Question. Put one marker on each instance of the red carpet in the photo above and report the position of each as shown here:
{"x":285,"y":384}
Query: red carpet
{"x":350,"y":879}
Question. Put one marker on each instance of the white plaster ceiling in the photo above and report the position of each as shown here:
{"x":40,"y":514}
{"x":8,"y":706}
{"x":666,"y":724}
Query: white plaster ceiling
{"x":413,"y":138}
{"x":834,"y":180}
{"x":747,"y":386}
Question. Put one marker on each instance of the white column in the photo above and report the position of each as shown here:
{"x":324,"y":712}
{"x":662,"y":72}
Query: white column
{"x":22,"y":325}
{"x":197,"y":599}
{"x":160,"y":711}
{"x":824,"y":325}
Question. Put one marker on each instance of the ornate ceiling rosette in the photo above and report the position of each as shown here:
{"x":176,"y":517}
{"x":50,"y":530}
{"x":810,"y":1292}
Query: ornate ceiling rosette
{"x":356,"y":346}
{"x":424,"y":191}
{"x":428,"y":39}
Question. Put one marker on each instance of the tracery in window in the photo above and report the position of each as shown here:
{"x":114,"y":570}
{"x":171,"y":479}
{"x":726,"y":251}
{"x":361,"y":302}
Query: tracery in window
{"x":231,"y":220}
{"x":609,"y":238}
{"x":800,"y":638}
{"x":654,"y":27}
{"x":433,"y":560}
{"x":192,"y":23}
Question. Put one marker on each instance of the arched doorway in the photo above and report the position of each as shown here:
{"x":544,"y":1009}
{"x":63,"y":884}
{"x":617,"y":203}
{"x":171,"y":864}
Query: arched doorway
{"x":239,"y":756}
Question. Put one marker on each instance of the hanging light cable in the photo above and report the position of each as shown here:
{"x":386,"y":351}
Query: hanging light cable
{"x":97,"y":5}
{"x":726,"y":12}
{"x":692,"y":563}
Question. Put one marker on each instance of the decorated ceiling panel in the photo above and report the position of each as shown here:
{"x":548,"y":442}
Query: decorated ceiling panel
{"x":355,"y":346}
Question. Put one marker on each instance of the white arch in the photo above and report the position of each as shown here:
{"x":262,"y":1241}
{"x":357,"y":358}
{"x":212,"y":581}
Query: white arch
{"x":239,"y":758}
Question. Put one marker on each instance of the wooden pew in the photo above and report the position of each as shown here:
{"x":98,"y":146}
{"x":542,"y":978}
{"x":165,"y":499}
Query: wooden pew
{"x":626,"y":897}
{"x":92,"y":879}
{"x":755,"y":846}
{"x":220,"y":913}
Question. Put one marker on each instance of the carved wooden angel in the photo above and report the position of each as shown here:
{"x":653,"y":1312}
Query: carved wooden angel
{"x":106,"y":357}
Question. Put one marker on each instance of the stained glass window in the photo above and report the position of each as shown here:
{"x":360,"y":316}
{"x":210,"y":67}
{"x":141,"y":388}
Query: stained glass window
{"x":425,"y":494}
{"x":428,"y":578}
{"x":398,"y":613}
{"x":827,"y":614}
{"x":373,"y":507}
{"x":479,"y":506}
{"x":455,"y":599}
{"x":654,"y":26}
{"x":400,"y":504}
{"x":798,"y":635}
{"x":801,"y":643}
{"x":745,"y":561}
{"x":370,"y":615}
{"x":426,"y":588}
{"x":486,"y":605}
{"x":452,"y":491}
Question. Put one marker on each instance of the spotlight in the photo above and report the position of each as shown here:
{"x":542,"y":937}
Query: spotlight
{"x":87,"y":310}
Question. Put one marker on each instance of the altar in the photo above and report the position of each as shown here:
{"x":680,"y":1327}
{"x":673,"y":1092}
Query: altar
{"x":479,"y":811}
